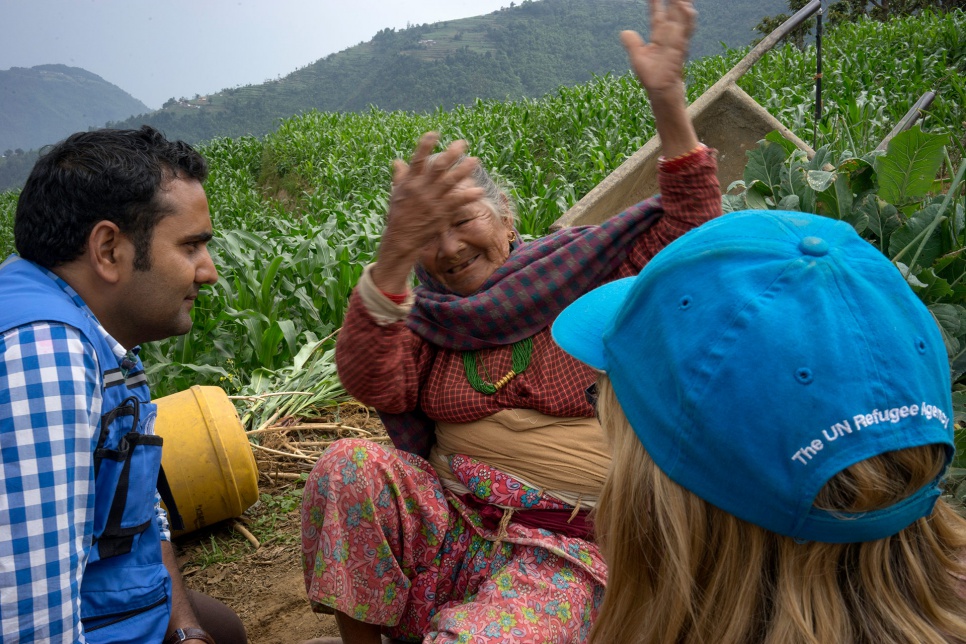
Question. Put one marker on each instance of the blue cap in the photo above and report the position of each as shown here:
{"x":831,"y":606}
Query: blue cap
{"x":762,"y":353}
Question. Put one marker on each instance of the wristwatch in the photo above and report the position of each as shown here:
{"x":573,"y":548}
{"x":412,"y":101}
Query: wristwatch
{"x":183,"y":634}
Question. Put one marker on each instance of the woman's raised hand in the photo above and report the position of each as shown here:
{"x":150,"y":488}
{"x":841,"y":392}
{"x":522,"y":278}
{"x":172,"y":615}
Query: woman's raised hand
{"x":424,"y":198}
{"x":659,"y":66}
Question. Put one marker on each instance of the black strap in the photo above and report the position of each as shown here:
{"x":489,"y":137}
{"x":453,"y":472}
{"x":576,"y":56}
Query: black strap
{"x":116,"y":540}
{"x":164,"y":489}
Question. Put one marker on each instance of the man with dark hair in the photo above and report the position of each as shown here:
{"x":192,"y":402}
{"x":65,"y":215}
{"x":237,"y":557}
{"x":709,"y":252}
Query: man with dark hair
{"x":111,"y":229}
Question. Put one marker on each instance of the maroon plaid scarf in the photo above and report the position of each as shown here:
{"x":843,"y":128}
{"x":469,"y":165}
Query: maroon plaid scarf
{"x":538,"y":280}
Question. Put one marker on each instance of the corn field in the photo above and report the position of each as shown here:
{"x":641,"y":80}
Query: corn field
{"x":298,"y":213}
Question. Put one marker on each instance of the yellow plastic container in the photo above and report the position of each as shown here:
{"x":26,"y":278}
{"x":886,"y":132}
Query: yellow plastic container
{"x":206,"y":456}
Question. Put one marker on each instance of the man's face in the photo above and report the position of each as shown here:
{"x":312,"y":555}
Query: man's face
{"x":159,"y":300}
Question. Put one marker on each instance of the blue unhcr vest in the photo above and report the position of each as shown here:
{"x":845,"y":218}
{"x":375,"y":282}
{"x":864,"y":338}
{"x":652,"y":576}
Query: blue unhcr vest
{"x":125,"y":589}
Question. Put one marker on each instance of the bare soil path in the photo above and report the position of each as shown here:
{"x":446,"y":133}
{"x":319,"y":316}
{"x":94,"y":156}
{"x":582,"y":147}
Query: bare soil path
{"x":263,"y":586}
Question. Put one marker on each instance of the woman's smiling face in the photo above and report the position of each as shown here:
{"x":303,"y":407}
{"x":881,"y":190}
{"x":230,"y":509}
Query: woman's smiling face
{"x":465,"y":254}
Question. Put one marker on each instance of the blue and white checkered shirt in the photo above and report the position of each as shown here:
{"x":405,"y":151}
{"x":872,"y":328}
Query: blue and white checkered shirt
{"x":50,"y":406}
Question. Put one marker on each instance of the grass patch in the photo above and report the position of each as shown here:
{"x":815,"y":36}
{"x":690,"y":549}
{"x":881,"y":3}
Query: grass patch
{"x":273,"y":520}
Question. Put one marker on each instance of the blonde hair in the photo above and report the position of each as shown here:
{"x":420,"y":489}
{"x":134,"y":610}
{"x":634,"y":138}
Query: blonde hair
{"x":681,"y":571}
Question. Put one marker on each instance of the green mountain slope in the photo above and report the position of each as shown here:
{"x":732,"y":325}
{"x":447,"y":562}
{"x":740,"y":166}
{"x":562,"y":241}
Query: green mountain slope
{"x":526,"y":50}
{"x":43,"y":104}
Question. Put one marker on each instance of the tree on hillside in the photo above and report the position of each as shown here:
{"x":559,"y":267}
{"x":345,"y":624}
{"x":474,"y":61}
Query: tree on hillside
{"x":851,"y":10}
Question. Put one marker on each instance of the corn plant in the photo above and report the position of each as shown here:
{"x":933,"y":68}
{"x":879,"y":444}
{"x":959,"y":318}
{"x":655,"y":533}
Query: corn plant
{"x":309,"y":384}
{"x":872,"y":72}
{"x":8,"y":205}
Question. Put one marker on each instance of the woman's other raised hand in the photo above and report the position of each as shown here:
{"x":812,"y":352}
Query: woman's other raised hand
{"x":424,"y":198}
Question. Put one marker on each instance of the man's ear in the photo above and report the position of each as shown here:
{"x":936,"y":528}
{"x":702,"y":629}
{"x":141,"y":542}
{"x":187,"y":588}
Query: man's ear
{"x":108,"y":251}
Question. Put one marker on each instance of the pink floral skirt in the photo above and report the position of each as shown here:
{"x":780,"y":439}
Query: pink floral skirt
{"x":383,"y":542}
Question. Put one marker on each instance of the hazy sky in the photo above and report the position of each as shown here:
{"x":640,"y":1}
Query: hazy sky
{"x":158,"y":49}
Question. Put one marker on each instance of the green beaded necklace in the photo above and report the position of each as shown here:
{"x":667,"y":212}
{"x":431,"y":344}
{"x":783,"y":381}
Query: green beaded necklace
{"x":522,"y":352}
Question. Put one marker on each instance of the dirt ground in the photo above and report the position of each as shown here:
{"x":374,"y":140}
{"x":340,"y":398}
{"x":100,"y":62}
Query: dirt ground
{"x":264,"y":585}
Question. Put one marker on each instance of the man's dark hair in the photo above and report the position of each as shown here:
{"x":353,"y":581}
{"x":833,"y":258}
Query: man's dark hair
{"x":93,"y":176}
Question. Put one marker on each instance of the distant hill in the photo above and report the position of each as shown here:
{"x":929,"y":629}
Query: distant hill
{"x":524,"y":50}
{"x":43,"y":104}
{"x":527,"y":49}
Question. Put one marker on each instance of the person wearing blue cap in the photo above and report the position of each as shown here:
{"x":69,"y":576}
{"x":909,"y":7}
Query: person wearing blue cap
{"x":778,"y":405}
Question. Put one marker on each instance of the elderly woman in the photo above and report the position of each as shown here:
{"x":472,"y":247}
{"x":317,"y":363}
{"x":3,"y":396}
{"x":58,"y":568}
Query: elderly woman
{"x":784,"y":429}
{"x":474,"y":528}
